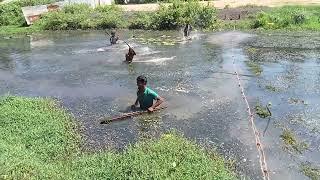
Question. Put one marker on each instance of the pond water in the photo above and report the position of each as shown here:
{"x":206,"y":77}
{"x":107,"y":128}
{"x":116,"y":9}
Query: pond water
{"x":195,"y":77}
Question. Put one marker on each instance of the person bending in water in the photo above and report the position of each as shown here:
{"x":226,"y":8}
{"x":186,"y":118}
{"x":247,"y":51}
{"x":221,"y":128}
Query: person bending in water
{"x":113,"y":38}
{"x":146,"y":96}
{"x":129,"y":55}
{"x":187,"y":30}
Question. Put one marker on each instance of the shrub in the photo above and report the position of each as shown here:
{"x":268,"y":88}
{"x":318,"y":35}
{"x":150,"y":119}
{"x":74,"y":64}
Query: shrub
{"x":206,"y":17}
{"x":298,"y":18}
{"x":141,"y":20}
{"x":180,"y":13}
{"x":261,"y":20}
{"x":81,"y":16}
{"x":11,"y":13}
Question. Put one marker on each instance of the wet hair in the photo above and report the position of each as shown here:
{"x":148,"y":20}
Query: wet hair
{"x":142,"y":79}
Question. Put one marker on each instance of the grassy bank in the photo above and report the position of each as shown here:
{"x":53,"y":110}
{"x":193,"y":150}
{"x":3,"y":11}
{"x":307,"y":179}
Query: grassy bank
{"x":39,"y":141}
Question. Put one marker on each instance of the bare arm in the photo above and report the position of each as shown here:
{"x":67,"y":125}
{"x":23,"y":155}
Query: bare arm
{"x":158,"y":103}
{"x":137,"y":102}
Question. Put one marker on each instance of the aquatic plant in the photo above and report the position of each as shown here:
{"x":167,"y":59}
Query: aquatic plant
{"x":291,"y":141}
{"x":39,"y":141}
{"x":271,"y":88}
{"x":254,"y":67}
{"x":262,"y":111}
{"x":311,"y":171}
{"x":293,"y":100}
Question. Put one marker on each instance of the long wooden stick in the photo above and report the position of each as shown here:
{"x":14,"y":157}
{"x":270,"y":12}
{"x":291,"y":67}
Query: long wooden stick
{"x":128,"y":115}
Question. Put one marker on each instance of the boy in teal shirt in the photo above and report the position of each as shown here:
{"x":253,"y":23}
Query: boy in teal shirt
{"x":146,"y":96}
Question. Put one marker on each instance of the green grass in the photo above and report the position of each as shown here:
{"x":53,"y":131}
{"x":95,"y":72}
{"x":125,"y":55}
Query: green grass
{"x":289,"y":17}
{"x":35,"y":134}
{"x":38,"y":140}
{"x":310,"y":171}
{"x":254,"y":67}
{"x":291,"y":142}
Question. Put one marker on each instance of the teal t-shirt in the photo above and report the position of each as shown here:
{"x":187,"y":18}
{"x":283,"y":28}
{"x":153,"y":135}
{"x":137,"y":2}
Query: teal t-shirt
{"x":146,"y":98}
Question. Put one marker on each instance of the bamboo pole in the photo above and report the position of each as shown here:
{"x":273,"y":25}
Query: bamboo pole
{"x":128,"y":115}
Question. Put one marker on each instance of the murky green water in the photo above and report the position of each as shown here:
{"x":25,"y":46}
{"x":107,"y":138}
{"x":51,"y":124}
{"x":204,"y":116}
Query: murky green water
{"x":195,"y":77}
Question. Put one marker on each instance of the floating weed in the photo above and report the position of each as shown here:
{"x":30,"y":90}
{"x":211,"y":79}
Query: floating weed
{"x":296,"y":101}
{"x":310,"y":171}
{"x":271,"y":88}
{"x":262,"y":111}
{"x":254,"y":67}
{"x":168,"y":43}
{"x":291,"y":141}
{"x":252,"y":50}
{"x":163,"y":40}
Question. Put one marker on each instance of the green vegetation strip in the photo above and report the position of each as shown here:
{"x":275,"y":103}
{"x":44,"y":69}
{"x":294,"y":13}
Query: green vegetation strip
{"x":169,"y":17}
{"x":38,"y":140}
{"x":80,"y":16}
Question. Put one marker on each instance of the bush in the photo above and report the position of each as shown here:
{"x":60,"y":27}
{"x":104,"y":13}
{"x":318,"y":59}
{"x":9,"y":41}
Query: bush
{"x":141,"y":20}
{"x":11,"y":13}
{"x":176,"y":15}
{"x":206,"y":17}
{"x":81,"y":16}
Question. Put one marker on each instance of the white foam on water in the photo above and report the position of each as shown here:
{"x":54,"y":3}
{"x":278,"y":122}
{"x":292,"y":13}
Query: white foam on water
{"x":182,"y":89}
{"x":41,"y":43}
{"x":156,"y":60}
{"x":113,"y":47}
{"x":146,"y":51}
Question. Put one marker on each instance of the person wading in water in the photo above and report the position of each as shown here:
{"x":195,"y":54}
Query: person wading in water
{"x":146,"y":96}
{"x":129,"y":55}
{"x":113,"y":38}
{"x":187,"y":29}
